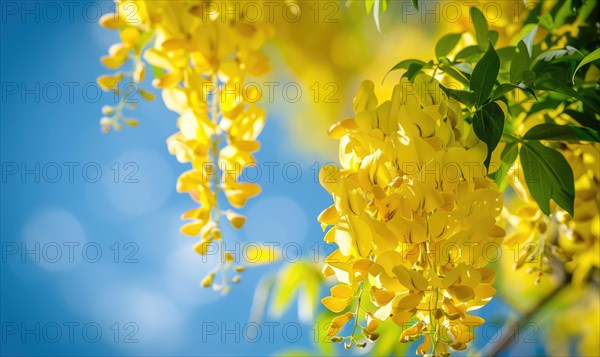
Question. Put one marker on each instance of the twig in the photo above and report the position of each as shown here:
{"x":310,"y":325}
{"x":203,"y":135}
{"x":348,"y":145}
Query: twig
{"x":508,"y":337}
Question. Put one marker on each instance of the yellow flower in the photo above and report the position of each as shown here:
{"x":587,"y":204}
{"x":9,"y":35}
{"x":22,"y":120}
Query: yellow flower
{"x":198,"y":59}
{"x":540,"y":241}
{"x":414,"y":215}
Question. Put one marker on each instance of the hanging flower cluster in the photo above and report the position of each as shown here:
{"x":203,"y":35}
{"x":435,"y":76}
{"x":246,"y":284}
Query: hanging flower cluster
{"x":579,"y":237}
{"x":134,"y":33}
{"x":540,"y":241}
{"x":201,"y":52}
{"x":414,"y":219}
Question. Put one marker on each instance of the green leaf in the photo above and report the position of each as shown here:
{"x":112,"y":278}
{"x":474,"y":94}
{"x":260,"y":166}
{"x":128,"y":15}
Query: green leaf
{"x":481,"y":29}
{"x":467,"y":53}
{"x":447,"y":67}
{"x":562,"y":13}
{"x":484,"y":76}
{"x":376,"y":8}
{"x":550,"y":55}
{"x":463,"y":96}
{"x":507,"y":159}
{"x":369,"y":5}
{"x":567,"y":133}
{"x":403,"y":65}
{"x":594,"y":56}
{"x":493,"y":37}
{"x":488,"y":124}
{"x":529,"y":78}
{"x":505,"y":88}
{"x":412,"y":71}
{"x":583,"y":119}
{"x":533,"y":12}
{"x":520,"y":63}
{"x":452,"y":72}
{"x":547,"y":103}
{"x":528,"y":40}
{"x":552,"y":84}
{"x":446,"y":44}
{"x":465,"y":68}
{"x":548,"y":176}
{"x":546,"y":21}
{"x":416,"y":4}
{"x":506,"y":54}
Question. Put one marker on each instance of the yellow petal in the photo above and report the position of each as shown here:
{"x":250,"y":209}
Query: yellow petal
{"x":354,"y":236}
{"x":129,"y":36}
{"x":409,"y":302}
{"x":404,"y":276}
{"x":342,"y":291}
{"x":373,"y":171}
{"x":338,"y":323}
{"x":112,"y":62}
{"x":202,"y":247}
{"x":329,"y":216}
{"x":365,"y":98}
{"x":168,"y":80}
{"x":107,"y":81}
{"x":381,"y":297}
{"x":372,"y":322}
{"x":192,"y":229}
{"x":111,"y":21}
{"x":248,"y":124}
{"x":175,"y":99}
{"x":418,"y":280}
{"x":413,"y":332}
{"x":339,"y":129}
{"x":146,"y":95}
{"x":207,"y":281}
{"x":335,"y":304}
{"x":462,"y":292}
{"x":238,"y":193}
{"x":236,"y":220}
{"x":233,"y":160}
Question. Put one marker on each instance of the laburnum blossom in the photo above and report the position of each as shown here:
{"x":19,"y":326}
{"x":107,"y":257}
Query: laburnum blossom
{"x":131,"y":21}
{"x":202,"y":53}
{"x":413,"y":218}
{"x":542,"y":241}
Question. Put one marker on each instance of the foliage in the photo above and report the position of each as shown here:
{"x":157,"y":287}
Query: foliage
{"x":530,"y":71}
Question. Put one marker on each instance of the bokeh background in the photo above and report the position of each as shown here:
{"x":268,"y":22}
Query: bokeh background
{"x":126,"y":280}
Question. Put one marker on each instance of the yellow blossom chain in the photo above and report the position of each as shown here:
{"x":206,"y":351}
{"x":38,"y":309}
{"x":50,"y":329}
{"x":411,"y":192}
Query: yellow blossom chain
{"x":198,"y":50}
{"x":414,"y":219}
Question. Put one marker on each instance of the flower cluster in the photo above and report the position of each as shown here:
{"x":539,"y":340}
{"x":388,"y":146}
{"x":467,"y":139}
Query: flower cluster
{"x":201,"y":55}
{"x":124,"y":84}
{"x":414,"y":219}
{"x":542,"y":241}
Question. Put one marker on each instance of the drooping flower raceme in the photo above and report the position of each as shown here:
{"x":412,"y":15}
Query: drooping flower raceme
{"x":201,"y":52}
{"x":540,"y":241}
{"x":414,"y":219}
